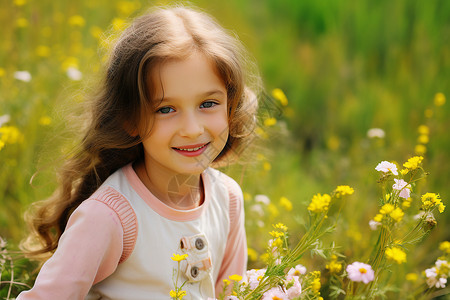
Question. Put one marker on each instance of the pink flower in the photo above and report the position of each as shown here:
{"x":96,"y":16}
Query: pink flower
{"x":403,"y":187}
{"x":295,"y":290}
{"x":275,"y":294}
{"x":297,"y":271}
{"x":386,"y":167}
{"x":358,"y":271}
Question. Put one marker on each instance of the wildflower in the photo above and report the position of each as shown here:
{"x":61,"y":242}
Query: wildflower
{"x":397,"y":214}
{"x":386,"y":167}
{"x":125,"y":8}
{"x":74,"y":73}
{"x":4,"y":119}
{"x":295,"y":288}
{"x":21,"y":22}
{"x":413,"y":163}
{"x":374,"y":224}
{"x":273,"y":210}
{"x":2,"y":144}
{"x":437,"y":275}
{"x":439,"y":99}
{"x":118,"y":24}
{"x":96,"y":31}
{"x":177,"y":295}
{"x":378,"y":218}
{"x":252,"y":254}
{"x":267,"y":166}
{"x":275,"y":294}
{"x":226,"y":282}
{"x":420,"y":149}
{"x":297,"y":270}
{"x":285,"y":203}
{"x":423,"y":139}
{"x":319,"y":203}
{"x":44,"y":120}
{"x":280,"y":96}
{"x":423,"y":129}
{"x":387,"y":209}
{"x":315,"y":285}
{"x":262,"y":199}
{"x":24,"y":76}
{"x":43,"y":51}
{"x":270,"y":122}
{"x":334,"y":266}
{"x":396,"y":254}
{"x":445,"y":247}
{"x":76,"y":21}
{"x":10,"y":134}
{"x":406,"y":203}
{"x":358,"y":272}
{"x":178,"y":258}
{"x":70,"y":62}
{"x":430,"y":200}
{"x":343,"y":190}
{"x":276,"y":234}
{"x":19,"y":2}
{"x":254,"y":276}
{"x":235,"y":277}
{"x":280,"y":226}
{"x":375,"y":133}
{"x":403,"y":187}
{"x":2,"y":72}
{"x":411,"y":277}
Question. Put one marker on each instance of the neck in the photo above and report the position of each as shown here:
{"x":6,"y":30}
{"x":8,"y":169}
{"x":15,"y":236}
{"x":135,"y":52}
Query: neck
{"x":180,"y":191}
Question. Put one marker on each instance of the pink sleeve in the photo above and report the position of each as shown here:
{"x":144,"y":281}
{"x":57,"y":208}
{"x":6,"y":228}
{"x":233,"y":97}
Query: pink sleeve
{"x":235,"y":259}
{"x":89,"y":250}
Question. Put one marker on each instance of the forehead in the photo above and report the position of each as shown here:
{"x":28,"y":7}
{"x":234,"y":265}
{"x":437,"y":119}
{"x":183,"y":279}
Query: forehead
{"x":188,"y":77}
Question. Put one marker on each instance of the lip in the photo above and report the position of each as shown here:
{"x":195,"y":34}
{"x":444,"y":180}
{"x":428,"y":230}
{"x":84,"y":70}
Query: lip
{"x":188,"y":149}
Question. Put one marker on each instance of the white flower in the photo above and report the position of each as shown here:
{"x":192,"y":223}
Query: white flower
{"x":403,"y":187}
{"x":375,"y":133}
{"x":386,"y":167}
{"x":374,"y":224}
{"x":74,"y":73}
{"x":22,"y":76}
{"x":262,"y":199}
{"x":257,"y":208}
{"x":297,"y":271}
{"x":4,"y":119}
{"x":431,"y":272}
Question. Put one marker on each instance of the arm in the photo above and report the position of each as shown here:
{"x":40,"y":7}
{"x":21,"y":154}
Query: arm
{"x":88,"y":251}
{"x":235,"y":259}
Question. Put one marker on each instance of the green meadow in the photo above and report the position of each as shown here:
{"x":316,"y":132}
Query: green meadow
{"x":345,"y":67}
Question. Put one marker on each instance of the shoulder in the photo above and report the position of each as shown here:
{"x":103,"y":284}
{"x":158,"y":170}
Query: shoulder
{"x":116,"y":203}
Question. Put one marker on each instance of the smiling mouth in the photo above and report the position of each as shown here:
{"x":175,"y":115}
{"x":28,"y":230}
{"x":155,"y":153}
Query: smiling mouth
{"x":191,"y":149}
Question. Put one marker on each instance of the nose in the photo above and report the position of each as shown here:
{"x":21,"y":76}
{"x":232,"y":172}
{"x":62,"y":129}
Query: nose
{"x":191,"y":125}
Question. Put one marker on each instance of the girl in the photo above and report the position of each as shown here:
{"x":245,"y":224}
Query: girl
{"x":174,"y":102}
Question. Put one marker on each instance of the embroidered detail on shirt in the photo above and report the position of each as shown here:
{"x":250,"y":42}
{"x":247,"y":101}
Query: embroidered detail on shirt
{"x":198,"y":263}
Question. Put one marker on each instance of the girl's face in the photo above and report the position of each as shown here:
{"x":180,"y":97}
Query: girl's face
{"x":190,"y":125}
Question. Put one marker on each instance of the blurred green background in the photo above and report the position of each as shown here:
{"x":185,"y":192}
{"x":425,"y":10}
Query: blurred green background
{"x":345,"y":67}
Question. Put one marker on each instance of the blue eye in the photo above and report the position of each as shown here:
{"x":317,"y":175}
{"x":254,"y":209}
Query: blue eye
{"x":208,"y":104}
{"x":165,"y":110}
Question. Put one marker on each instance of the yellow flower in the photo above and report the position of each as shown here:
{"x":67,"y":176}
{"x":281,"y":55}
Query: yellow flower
{"x":69,"y":62}
{"x":252,"y":254}
{"x":177,"y":257}
{"x":226,"y":282}
{"x":334,"y":266}
{"x":445,"y":247}
{"x":2,"y":72}
{"x":45,"y":121}
{"x":125,"y":8}
{"x":423,"y":129}
{"x":343,"y":190}
{"x":406,"y":203}
{"x":412,"y":277}
{"x":319,"y":203}
{"x":96,"y":31}
{"x":423,"y":139}
{"x":276,"y":234}
{"x":19,"y":2}
{"x":280,"y":226}
{"x":273,"y":210}
{"x":22,"y":22}
{"x":439,"y":99}
{"x":10,"y":134}
{"x":235,"y":277}
{"x":285,"y":203}
{"x":387,"y":209}
{"x":119,"y":24}
{"x":43,"y":51}
{"x":177,"y":295}
{"x":2,"y":144}
{"x":413,"y":163}
{"x":270,"y":122}
{"x":396,"y":254}
{"x":430,"y":200}
{"x":420,"y":149}
{"x":378,"y":218}
{"x":397,"y":214}
{"x":277,"y":243}
{"x":267,"y":166}
{"x":76,"y":21}
{"x":280,"y":96}
{"x":315,"y":285}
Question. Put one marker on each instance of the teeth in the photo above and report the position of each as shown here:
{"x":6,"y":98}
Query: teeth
{"x":191,"y":149}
